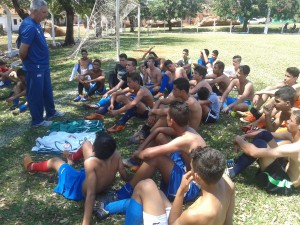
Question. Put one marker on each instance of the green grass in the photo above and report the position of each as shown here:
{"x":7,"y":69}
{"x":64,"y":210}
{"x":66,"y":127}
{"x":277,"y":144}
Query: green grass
{"x":26,"y":199}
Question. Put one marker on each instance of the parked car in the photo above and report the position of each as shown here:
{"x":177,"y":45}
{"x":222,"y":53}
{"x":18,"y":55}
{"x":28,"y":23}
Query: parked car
{"x":257,"y":20}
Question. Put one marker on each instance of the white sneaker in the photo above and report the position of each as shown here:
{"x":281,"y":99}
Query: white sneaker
{"x":56,"y":114}
{"x":44,"y":123}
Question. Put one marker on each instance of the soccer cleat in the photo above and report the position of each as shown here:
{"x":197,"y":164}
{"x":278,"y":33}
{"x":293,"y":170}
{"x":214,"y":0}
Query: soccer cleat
{"x":110,"y":197}
{"x":95,"y":116}
{"x":229,"y":172}
{"x":138,"y":138}
{"x":86,"y":98}
{"x":44,"y":123}
{"x":77,"y":99}
{"x":27,"y":160}
{"x":99,"y":211}
{"x":56,"y":114}
{"x":92,"y":106}
{"x":116,"y":128}
{"x":130,"y":163}
{"x":248,"y":119}
{"x":230,"y":163}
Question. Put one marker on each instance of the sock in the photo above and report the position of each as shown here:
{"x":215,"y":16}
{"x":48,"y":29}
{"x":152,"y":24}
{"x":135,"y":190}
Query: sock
{"x":134,"y":213}
{"x":103,"y":110}
{"x":118,"y":207}
{"x":39,"y":167}
{"x":125,"y":192}
{"x":164,"y":83}
{"x":77,"y":155}
{"x":244,"y":160}
{"x":129,"y":113}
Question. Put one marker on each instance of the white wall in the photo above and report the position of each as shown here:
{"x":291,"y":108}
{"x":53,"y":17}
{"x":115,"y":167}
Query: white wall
{"x":16,"y":22}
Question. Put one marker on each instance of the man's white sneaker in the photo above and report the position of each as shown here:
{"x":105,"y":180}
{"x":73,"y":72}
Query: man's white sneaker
{"x":44,"y":123}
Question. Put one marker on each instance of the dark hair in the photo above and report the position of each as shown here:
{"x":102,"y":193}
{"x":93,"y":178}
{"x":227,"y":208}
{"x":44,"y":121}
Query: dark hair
{"x":84,"y":50}
{"x":203,"y":93}
{"x":296,"y":112}
{"x":186,"y":50}
{"x":133,"y":60}
{"x":168,"y":62}
{"x":134,"y":76}
{"x":220,"y":65}
{"x":20,"y":72}
{"x":201,"y":70}
{"x":208,"y":163}
{"x":152,"y":58}
{"x":238,"y":57}
{"x":294,"y":71}
{"x":182,"y":84}
{"x":153,"y":53}
{"x":206,"y":51}
{"x":97,"y":61}
{"x":123,"y":55}
{"x":216,"y":52}
{"x":286,"y":93}
{"x":179,"y":112}
{"x":104,"y":145}
{"x":245,"y":69}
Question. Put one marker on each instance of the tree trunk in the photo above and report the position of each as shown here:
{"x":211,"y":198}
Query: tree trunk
{"x":245,"y":25}
{"x":18,"y":9}
{"x":131,"y":20}
{"x":169,"y":25}
{"x":66,"y":5}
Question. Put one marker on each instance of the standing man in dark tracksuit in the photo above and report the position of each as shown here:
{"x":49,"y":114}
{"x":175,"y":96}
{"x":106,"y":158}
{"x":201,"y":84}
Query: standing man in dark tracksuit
{"x":34,"y":54}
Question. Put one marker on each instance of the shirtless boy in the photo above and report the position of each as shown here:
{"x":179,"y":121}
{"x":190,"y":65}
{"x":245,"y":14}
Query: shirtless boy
{"x":261,"y":97}
{"x":158,"y":115}
{"x":172,"y":158}
{"x":215,"y":205}
{"x":84,"y":64}
{"x":152,"y":77}
{"x":170,"y":75}
{"x":221,"y":80}
{"x":101,"y":163}
{"x":199,"y":80}
{"x":245,"y":91}
{"x":94,"y":83}
{"x":265,"y":149}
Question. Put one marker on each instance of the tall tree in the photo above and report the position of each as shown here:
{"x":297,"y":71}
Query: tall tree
{"x":171,"y":9}
{"x":282,"y":9}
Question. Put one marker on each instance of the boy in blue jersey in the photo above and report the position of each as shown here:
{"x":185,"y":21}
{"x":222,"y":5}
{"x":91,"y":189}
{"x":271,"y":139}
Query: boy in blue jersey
{"x":34,"y":54}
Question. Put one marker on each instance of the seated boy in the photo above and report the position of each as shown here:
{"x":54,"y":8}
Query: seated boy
{"x":210,"y":105}
{"x":170,"y":157}
{"x":204,"y":60}
{"x":261,"y":97}
{"x":84,"y":64}
{"x":158,"y":115}
{"x":135,"y":100}
{"x":101,"y":163}
{"x":220,"y":80}
{"x":114,"y":77}
{"x":186,"y":63}
{"x":199,"y":80}
{"x":231,"y":72}
{"x":280,"y":110}
{"x":275,"y":175}
{"x":94,"y":83}
{"x":4,"y":74}
{"x":152,"y":76}
{"x":214,"y":206}
{"x":245,"y":91}
{"x":19,"y":90}
{"x":172,"y":73}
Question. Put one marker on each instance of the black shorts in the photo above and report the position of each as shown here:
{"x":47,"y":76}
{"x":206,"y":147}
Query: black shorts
{"x":274,"y":179}
{"x":211,"y":117}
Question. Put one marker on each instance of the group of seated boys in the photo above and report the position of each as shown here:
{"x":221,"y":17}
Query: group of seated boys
{"x":174,"y":99}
